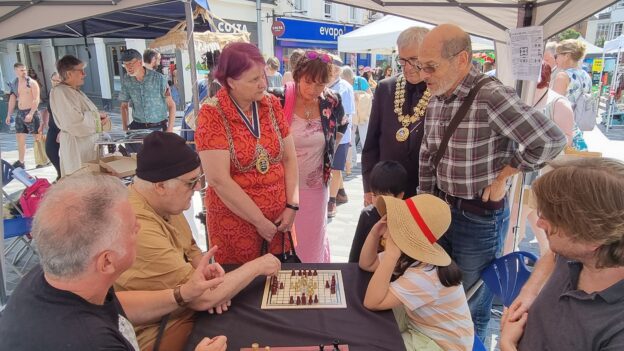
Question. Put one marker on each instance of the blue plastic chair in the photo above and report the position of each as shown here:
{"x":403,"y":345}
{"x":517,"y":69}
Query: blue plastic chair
{"x":506,"y":275}
{"x":478,"y":345}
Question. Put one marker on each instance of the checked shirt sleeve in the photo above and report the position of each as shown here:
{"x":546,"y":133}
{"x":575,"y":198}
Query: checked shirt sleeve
{"x":540,"y":138}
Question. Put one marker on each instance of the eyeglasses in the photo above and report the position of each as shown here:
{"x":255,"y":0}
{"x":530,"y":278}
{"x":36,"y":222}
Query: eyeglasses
{"x":431,"y":68}
{"x":314,"y":55}
{"x":130,"y":63}
{"x":413,"y":61}
{"x":192,"y":183}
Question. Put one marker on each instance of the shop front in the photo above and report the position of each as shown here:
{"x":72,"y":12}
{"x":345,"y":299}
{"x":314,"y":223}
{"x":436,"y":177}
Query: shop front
{"x":291,"y":34}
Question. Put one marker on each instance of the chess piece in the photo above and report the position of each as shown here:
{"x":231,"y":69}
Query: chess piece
{"x":298,"y":300}
{"x":315,"y":298}
{"x":299,"y":273}
{"x":315,"y":273}
{"x":281,"y":285}
{"x":326,"y":284}
{"x":292,"y":300}
{"x":292,"y":273}
{"x":310,"y":300}
{"x":336,"y":344}
{"x":268,"y":348}
{"x":255,"y":346}
{"x":321,"y":347}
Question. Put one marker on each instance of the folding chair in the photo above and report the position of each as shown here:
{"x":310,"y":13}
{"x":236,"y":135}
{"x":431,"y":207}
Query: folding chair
{"x":506,"y":275}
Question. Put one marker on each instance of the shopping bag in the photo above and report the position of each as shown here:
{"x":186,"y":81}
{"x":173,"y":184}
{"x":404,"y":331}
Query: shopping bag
{"x":41,"y":159}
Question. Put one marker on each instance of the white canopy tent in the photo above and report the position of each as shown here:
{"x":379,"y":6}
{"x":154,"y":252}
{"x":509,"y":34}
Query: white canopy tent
{"x":380,"y":36}
{"x":590,"y":49}
{"x":491,"y":18}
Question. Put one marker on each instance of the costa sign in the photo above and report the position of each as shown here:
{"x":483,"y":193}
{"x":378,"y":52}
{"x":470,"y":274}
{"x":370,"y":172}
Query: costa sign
{"x":278,"y":28}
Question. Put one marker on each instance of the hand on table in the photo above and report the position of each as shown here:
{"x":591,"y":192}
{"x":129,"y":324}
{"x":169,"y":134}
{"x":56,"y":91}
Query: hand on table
{"x":218,"y":343}
{"x":285,"y":220}
{"x":267,"y":264}
{"x":495,"y":191}
{"x":221,"y":308}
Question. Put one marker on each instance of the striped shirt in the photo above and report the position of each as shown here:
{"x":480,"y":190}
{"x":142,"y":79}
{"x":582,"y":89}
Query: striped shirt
{"x":487,"y":139}
{"x":439,"y":312}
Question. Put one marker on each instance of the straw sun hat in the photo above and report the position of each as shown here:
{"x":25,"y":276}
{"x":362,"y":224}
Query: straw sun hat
{"x":416,"y":224}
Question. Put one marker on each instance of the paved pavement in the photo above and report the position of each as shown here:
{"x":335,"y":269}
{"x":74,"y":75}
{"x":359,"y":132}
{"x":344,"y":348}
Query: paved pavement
{"x":341,"y":228}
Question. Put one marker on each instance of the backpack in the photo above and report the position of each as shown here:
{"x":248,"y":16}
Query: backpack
{"x":586,"y":106}
{"x":585,"y":112}
{"x":32,"y":196}
{"x":363,"y":106}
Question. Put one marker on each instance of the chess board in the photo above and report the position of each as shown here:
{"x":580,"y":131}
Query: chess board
{"x":298,"y":348}
{"x":319,"y":288}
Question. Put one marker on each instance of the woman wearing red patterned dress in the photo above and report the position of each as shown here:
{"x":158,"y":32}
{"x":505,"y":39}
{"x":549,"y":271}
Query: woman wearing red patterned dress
{"x":249,"y":159}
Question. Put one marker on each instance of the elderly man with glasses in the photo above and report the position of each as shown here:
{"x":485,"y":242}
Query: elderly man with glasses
{"x":471,"y":166}
{"x":149,"y":95}
{"x":168,"y":173}
{"x":395,"y":127}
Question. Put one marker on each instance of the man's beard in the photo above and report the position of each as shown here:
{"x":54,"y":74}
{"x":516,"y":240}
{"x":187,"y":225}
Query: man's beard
{"x":443,"y":86}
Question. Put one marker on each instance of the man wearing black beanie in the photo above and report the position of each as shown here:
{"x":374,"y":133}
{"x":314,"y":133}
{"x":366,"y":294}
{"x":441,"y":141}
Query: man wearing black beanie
{"x":168,"y":174}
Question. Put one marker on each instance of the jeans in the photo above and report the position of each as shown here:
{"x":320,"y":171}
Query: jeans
{"x":473,"y":241}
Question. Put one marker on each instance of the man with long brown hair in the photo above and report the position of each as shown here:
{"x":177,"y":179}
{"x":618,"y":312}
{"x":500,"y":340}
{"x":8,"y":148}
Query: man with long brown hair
{"x":575,"y":297}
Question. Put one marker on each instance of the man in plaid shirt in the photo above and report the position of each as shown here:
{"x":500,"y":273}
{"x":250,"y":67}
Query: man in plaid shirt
{"x":483,"y":153}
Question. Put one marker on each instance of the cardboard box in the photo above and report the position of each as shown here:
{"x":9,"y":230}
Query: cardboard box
{"x":119,"y":166}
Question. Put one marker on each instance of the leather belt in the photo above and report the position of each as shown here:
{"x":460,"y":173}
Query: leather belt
{"x":151,"y":125}
{"x":474,"y":206}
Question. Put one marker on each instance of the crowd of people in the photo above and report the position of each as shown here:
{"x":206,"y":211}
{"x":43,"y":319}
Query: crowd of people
{"x":441,"y":142}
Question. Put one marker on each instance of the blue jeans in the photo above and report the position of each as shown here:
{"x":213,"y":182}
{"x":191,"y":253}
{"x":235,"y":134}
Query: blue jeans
{"x":473,"y":241}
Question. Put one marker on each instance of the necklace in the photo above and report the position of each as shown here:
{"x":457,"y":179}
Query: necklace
{"x":253,"y":125}
{"x":262,"y":159}
{"x":419,"y":110}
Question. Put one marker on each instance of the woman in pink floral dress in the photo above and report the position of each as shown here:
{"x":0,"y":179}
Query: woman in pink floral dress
{"x":313,"y":127}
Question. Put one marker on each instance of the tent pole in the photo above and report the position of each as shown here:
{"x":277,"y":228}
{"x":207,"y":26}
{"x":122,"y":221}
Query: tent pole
{"x":188,"y":10}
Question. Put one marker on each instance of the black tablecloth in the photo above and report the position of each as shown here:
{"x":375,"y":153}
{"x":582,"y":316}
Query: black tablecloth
{"x":245,"y":323}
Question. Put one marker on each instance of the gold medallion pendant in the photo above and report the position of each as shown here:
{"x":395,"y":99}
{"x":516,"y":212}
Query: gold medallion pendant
{"x":262,"y":162}
{"x":418,"y":111}
{"x":402,"y":134}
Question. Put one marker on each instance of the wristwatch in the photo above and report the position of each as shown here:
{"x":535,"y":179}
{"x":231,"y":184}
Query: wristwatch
{"x":292,"y":207}
{"x":178,"y":297}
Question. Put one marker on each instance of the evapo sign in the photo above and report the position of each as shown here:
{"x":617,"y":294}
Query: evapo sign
{"x":311,"y":31}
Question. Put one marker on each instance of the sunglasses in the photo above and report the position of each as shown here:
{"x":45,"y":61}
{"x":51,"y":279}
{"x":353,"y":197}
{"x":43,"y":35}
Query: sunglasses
{"x":314,"y":55}
{"x":192,"y":183}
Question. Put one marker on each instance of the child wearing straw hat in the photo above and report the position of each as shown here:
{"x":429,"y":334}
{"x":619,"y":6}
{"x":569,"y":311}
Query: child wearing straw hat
{"x":415,"y":277}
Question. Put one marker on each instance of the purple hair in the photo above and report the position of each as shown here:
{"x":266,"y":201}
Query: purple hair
{"x":235,"y":59}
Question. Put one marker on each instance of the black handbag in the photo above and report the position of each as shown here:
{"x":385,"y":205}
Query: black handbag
{"x":287,"y":256}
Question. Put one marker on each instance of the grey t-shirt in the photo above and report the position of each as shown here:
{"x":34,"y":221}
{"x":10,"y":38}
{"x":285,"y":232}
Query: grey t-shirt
{"x":565,"y":318}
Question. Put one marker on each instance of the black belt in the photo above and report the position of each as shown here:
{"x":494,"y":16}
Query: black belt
{"x":474,"y":206}
{"x":150,"y":125}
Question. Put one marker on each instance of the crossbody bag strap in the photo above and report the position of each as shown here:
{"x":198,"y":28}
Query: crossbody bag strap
{"x":161,"y":330}
{"x":457,"y":118}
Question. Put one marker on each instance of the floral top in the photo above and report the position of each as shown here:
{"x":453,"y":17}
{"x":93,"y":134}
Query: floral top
{"x":330,"y":106}
{"x":580,"y":83}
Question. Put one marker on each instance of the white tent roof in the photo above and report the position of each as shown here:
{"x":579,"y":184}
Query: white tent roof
{"x":590,"y":49}
{"x":490,"y":18}
{"x":380,"y":36}
{"x":614,"y":45}
{"x":18,"y":17}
